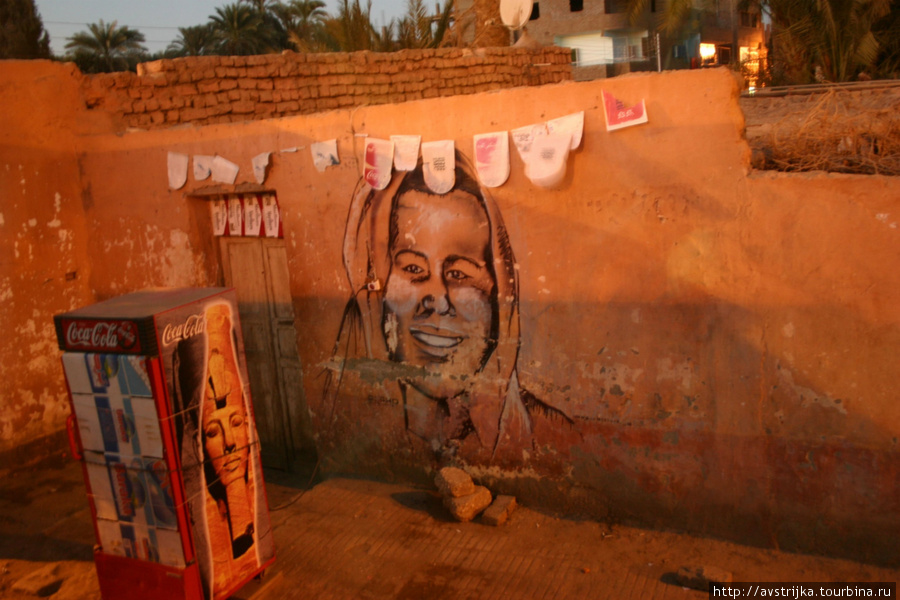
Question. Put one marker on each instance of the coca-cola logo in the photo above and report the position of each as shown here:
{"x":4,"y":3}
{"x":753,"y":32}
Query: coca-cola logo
{"x":193,"y":325}
{"x":101,"y":335}
{"x":124,"y":490}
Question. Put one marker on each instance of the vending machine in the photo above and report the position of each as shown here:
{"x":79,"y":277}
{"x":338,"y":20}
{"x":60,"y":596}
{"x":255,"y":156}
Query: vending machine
{"x":162,"y":422}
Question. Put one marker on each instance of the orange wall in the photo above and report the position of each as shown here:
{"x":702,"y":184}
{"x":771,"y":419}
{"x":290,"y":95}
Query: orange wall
{"x":44,"y":268}
{"x":724,"y":341}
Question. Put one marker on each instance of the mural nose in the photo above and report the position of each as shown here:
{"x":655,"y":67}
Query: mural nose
{"x":439,"y":303}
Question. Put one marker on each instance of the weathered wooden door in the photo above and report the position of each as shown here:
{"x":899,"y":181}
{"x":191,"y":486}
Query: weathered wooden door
{"x":257,"y":269}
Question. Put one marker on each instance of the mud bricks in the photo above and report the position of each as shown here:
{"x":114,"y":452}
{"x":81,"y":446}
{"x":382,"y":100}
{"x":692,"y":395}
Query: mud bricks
{"x":465,"y":500}
{"x":462,"y":497}
{"x":205,"y":90}
{"x":498,"y":512}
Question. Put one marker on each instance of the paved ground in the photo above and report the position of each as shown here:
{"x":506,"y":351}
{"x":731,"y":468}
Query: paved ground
{"x":349,"y":539}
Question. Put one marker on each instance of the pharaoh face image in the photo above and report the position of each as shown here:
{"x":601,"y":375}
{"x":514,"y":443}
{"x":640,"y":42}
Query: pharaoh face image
{"x":225,"y":434}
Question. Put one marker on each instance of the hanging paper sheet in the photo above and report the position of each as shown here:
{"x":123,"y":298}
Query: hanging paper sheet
{"x":378,"y":162}
{"x":219,"y":212}
{"x":271,"y":216}
{"x":523,"y":138}
{"x":618,"y":115}
{"x":324,"y":154}
{"x":235,"y":215}
{"x":492,"y":158}
{"x":202,"y":166}
{"x":178,"y":164}
{"x":252,"y":215}
{"x":572,"y":124}
{"x":260,"y":164}
{"x":546,"y":165}
{"x":406,"y":151}
{"x":439,"y":166}
{"x":223,"y":170}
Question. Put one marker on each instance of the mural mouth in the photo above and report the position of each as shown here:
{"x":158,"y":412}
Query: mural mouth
{"x":232,"y":464}
{"x":436,"y":343}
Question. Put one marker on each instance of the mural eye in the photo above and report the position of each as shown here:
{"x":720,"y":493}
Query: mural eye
{"x":212,"y":431}
{"x":237,"y":421}
{"x":413,"y":269}
{"x":456,"y":275}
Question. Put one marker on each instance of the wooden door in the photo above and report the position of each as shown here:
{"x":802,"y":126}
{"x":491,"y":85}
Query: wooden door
{"x":257,"y":269}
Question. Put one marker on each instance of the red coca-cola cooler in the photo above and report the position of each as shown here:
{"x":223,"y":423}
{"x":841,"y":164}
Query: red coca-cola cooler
{"x":162,"y":422}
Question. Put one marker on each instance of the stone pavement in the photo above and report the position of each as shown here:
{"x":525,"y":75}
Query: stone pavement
{"x":350,"y":538}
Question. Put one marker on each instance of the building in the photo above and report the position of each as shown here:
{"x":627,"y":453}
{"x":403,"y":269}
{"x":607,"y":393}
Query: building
{"x":605,"y":42}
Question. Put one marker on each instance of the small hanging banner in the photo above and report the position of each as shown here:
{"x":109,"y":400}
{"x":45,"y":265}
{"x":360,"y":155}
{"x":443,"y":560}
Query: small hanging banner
{"x":546,"y":165}
{"x":219,"y":212}
{"x":260,"y":164}
{"x":324,"y":154}
{"x":378,"y":163}
{"x":439,"y":166}
{"x":523,"y":138}
{"x":492,"y":158}
{"x":202,"y":166}
{"x":406,"y":151}
{"x":252,"y":215}
{"x":178,"y":164}
{"x":235,"y":215}
{"x":223,"y":170}
{"x":271,"y":216}
{"x":618,"y":115}
{"x":572,"y":124}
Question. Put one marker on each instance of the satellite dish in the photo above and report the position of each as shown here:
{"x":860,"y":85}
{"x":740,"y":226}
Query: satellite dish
{"x":515,"y":13}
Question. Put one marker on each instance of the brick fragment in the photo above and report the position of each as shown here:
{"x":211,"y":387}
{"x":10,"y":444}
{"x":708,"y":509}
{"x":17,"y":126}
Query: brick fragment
{"x":454,"y":482}
{"x":499,"y":511}
{"x":466,"y":508}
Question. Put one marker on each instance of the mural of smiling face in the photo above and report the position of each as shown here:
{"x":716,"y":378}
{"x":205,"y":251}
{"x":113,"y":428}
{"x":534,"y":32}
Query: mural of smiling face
{"x":440,"y":294}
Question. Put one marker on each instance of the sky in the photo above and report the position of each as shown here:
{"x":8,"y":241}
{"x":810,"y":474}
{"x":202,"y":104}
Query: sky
{"x":158,"y":20}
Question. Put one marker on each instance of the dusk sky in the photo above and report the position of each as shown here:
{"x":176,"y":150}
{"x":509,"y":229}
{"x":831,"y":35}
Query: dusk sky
{"x":158,"y":20}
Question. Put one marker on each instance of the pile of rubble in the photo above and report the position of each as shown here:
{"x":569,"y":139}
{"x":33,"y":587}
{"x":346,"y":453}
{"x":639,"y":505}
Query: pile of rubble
{"x":465,"y":500}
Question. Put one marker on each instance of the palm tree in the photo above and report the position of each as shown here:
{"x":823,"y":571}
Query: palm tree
{"x":489,"y":30}
{"x":197,"y":40}
{"x":270,"y":13}
{"x":303,"y":21}
{"x":418,"y":29}
{"x":239,"y":30}
{"x":106,"y":47}
{"x":352,"y":29}
{"x":826,"y":39}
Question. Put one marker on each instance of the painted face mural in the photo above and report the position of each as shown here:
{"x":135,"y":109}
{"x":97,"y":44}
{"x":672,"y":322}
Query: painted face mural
{"x":432,"y":325}
{"x":438,"y":299}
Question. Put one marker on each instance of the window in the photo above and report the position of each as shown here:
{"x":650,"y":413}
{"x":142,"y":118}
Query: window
{"x":576,"y":5}
{"x":749,"y":19}
{"x":615,"y":6}
{"x":535,"y":11}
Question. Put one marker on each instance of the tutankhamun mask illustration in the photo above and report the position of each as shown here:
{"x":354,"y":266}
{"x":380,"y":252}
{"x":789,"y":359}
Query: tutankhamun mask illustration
{"x":226,"y":432}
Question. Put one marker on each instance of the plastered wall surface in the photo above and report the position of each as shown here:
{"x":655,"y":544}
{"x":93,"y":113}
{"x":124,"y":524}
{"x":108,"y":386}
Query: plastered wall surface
{"x":44,"y":267}
{"x":684,"y":343}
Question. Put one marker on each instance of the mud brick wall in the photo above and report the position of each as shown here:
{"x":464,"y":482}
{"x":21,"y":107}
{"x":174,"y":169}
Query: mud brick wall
{"x":221,"y":89}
